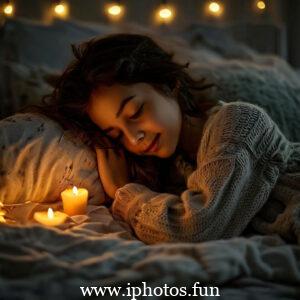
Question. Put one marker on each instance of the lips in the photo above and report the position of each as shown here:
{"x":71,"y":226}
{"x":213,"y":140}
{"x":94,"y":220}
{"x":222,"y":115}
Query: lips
{"x":153,"y":146}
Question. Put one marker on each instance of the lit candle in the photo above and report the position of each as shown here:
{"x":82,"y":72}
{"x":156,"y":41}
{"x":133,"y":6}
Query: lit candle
{"x":50,"y":218}
{"x":2,"y":213}
{"x":75,"y":201}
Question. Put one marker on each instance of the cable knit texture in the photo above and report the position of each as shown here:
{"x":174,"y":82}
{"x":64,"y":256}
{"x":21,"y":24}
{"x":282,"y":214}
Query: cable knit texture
{"x":247,"y":177}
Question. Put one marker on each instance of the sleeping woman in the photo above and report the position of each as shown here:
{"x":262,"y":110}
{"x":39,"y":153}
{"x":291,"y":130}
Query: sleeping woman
{"x":234,"y":170}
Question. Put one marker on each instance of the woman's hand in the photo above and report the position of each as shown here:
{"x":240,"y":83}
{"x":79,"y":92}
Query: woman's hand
{"x":113,"y":169}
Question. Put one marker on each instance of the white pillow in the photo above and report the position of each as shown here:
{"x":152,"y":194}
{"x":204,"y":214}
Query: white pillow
{"x":38,"y":160}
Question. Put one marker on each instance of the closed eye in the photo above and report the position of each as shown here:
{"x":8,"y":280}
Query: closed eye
{"x":138,"y":112}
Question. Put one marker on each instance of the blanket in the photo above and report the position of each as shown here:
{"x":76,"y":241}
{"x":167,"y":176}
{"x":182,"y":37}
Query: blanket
{"x":46,"y":263}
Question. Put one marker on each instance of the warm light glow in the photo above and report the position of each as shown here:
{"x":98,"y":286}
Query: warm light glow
{"x":114,"y":10}
{"x":214,"y":8}
{"x":75,"y":190}
{"x":261,"y":5}
{"x":50,"y":213}
{"x":8,"y":9}
{"x":61,"y":10}
{"x":2,"y":213}
{"x":50,"y":218}
{"x":165,"y":13}
{"x":75,"y":201}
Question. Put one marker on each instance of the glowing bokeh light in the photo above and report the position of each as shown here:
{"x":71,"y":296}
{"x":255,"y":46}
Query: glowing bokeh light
{"x":214,"y":7}
{"x":165,"y":13}
{"x":261,"y":5}
{"x":114,"y":10}
{"x":60,"y":9}
{"x":8,"y":9}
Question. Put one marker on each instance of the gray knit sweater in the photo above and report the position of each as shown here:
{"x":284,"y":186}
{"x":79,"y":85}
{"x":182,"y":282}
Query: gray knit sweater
{"x":247,"y":176}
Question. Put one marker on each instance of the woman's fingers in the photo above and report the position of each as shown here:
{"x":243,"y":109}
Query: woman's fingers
{"x":102,"y":153}
{"x":113,"y":169}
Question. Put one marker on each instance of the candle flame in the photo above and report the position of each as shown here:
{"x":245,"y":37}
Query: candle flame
{"x":50,"y":213}
{"x":75,"y":190}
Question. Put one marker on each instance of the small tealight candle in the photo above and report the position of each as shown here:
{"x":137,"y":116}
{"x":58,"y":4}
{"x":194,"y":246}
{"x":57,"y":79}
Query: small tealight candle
{"x":75,"y":201}
{"x":50,"y":218}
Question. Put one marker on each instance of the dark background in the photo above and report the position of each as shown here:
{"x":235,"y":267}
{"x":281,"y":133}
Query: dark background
{"x":282,"y":15}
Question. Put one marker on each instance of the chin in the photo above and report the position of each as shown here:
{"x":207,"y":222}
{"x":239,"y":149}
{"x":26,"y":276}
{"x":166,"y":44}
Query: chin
{"x":166,"y":153}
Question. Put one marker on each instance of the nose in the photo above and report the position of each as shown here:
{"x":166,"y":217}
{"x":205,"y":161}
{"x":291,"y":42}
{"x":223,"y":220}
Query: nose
{"x":135,"y":136}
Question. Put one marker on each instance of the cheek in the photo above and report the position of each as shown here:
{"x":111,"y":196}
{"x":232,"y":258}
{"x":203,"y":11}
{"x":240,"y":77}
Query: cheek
{"x":157,"y":120}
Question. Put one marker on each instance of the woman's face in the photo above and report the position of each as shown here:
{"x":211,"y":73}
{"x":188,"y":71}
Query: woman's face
{"x":145,"y":121}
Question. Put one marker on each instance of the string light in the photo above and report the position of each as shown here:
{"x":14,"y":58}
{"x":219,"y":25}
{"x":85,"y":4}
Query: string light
{"x":261,"y":5}
{"x":115,"y":11}
{"x":61,"y":9}
{"x":8,"y":9}
{"x":214,"y":8}
{"x":165,"y":13}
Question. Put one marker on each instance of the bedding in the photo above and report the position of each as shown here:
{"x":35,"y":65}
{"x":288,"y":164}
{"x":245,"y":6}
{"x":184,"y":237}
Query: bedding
{"x":38,"y":262}
{"x":38,"y":160}
{"x":47,"y":263}
{"x":266,"y":81}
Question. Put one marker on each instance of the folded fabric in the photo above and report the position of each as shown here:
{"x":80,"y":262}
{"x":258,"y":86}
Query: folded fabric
{"x":38,"y":160}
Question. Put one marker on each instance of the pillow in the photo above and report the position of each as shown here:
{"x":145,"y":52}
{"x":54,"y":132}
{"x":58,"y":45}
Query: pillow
{"x":218,"y":40}
{"x":38,"y":160}
{"x":35,"y":44}
{"x":268,"y":82}
{"x":21,"y":85}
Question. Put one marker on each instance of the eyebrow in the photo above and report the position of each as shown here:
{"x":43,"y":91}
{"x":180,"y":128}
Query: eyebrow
{"x":120,"y":110}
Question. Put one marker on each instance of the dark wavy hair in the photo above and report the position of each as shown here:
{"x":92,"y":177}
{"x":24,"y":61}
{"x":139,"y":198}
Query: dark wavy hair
{"x":125,"y":59}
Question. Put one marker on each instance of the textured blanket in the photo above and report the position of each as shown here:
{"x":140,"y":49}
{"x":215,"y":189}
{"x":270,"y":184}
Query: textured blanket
{"x":45,"y":263}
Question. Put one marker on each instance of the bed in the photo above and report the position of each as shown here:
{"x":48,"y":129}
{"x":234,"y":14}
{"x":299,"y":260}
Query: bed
{"x":38,"y":160}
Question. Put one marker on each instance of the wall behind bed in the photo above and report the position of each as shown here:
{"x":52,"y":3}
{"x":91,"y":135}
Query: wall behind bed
{"x":265,"y":31}
{"x":34,"y":47}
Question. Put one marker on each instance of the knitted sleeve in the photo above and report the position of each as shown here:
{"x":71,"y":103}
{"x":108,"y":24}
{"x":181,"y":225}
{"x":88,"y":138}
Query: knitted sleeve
{"x":238,"y":164}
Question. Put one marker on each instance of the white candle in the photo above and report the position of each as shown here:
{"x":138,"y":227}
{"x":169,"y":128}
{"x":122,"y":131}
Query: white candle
{"x":50,"y":218}
{"x":75,"y":201}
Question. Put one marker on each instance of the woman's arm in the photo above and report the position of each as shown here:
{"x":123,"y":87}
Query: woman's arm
{"x":237,"y":170}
